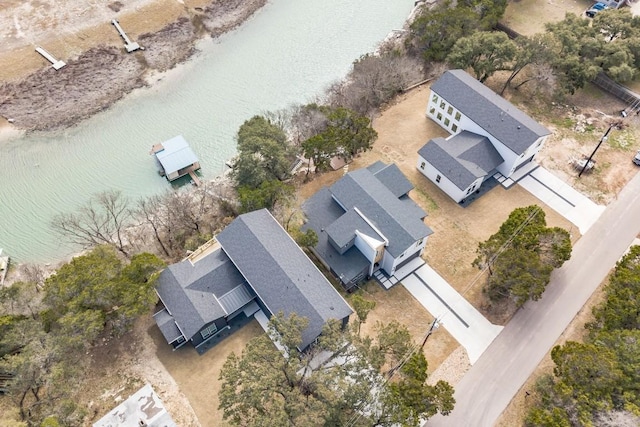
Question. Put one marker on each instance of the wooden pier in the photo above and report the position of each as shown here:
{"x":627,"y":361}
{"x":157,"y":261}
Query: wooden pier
{"x":55,"y":63}
{"x":194,"y":178}
{"x":128,"y":44}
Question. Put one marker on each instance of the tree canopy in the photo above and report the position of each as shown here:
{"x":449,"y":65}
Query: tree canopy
{"x":97,"y":290}
{"x":342,"y":380}
{"x":596,"y":382}
{"x":435,"y":30}
{"x":521,"y":256}
{"x":344,"y":134}
{"x":45,"y":331}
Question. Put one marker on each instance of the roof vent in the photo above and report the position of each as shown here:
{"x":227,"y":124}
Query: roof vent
{"x":518,"y":126}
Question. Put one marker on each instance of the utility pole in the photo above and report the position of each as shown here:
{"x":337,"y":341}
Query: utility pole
{"x":603,"y":139}
{"x":434,"y":325}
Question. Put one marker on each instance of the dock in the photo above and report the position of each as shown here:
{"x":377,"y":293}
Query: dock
{"x":194,"y":178}
{"x":4,"y":267}
{"x":55,"y":63}
{"x":128,"y":44}
{"x":176,"y":159}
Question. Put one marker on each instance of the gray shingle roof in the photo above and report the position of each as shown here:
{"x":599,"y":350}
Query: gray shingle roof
{"x":167,"y":325}
{"x":321,"y":211}
{"x":362,"y":189}
{"x":491,"y":112}
{"x":176,"y":155}
{"x":343,"y":229}
{"x":279,"y":272}
{"x":189,"y":291}
{"x":392,"y":178}
{"x":463,"y":158}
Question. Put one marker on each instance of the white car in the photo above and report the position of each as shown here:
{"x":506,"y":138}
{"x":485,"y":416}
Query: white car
{"x":636,"y":159}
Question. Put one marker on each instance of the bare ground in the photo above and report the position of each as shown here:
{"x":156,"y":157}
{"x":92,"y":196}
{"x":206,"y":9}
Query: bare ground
{"x":99,"y":72}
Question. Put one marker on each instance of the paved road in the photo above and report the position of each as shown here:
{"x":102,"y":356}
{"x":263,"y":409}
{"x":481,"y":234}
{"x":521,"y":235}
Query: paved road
{"x":488,"y":387}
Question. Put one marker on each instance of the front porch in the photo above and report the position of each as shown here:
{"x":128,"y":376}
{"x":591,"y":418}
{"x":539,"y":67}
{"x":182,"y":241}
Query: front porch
{"x":387,"y":281}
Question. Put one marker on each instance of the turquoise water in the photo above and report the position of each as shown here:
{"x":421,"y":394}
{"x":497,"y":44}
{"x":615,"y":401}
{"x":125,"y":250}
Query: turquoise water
{"x":289,"y":52}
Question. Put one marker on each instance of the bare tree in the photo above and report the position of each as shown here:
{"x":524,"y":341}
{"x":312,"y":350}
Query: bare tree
{"x":374,"y":80}
{"x":102,"y":220}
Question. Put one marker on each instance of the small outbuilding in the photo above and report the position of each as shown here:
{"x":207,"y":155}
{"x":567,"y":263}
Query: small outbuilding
{"x":176,"y":158}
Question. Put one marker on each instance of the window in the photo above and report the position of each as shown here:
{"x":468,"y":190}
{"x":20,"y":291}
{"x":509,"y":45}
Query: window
{"x":432,"y":110}
{"x":454,"y":127}
{"x":208,"y":331}
{"x":439,"y":116}
{"x":457,"y":115}
{"x":449,"y":110}
{"x":442,"y":105}
{"x":422,"y":165}
{"x":446,"y":122}
{"x":438,"y":177}
{"x":434,"y":99}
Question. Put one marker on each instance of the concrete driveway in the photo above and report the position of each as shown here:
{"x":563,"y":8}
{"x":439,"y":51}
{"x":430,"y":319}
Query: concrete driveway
{"x":562,"y":198}
{"x":470,"y":328}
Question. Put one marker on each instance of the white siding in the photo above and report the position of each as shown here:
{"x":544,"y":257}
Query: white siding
{"x":366,"y":250}
{"x":445,"y":184}
{"x":438,"y":110}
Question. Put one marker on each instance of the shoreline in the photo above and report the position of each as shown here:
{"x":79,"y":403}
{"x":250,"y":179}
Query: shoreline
{"x":103,"y":74}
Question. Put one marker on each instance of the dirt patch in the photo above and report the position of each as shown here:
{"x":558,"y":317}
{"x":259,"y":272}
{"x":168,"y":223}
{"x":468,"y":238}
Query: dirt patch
{"x":398,"y":304}
{"x":118,"y":368}
{"x":197,"y":376}
{"x":98,"y":70}
{"x":529,"y":17}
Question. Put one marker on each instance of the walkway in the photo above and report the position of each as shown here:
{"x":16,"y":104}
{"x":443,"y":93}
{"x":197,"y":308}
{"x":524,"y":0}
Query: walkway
{"x":470,"y":328}
{"x":387,"y":282}
{"x":562,"y":198}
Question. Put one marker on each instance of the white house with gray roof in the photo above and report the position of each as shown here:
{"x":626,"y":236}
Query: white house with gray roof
{"x":489,"y":135}
{"x":366,"y":222}
{"x":252,"y":265}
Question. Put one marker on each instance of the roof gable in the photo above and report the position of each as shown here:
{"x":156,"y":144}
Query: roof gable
{"x":176,"y":154}
{"x":361,"y":189}
{"x":279,"y":272}
{"x":392,"y":178}
{"x":497,"y":116}
{"x":190,"y":291}
{"x":463,"y":158}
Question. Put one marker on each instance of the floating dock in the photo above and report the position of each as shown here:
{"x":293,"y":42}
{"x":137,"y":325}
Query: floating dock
{"x":55,"y":63}
{"x":128,"y":44}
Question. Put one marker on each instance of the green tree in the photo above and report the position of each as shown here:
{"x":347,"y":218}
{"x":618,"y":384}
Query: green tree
{"x":521,"y":256}
{"x":621,"y":309}
{"x":266,"y":195}
{"x":319,"y":149}
{"x":362,"y":308}
{"x":407,"y":401}
{"x":346,"y":387}
{"x":575,"y":64}
{"x":596,"y":382}
{"x":305,"y":239}
{"x":263,"y":153}
{"x":434,"y":31}
{"x":484,"y":52}
{"x":538,"y":49}
{"x":97,"y":290}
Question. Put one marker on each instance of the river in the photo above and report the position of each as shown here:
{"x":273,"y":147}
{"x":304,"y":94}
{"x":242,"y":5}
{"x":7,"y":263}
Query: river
{"x":288,"y":53}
